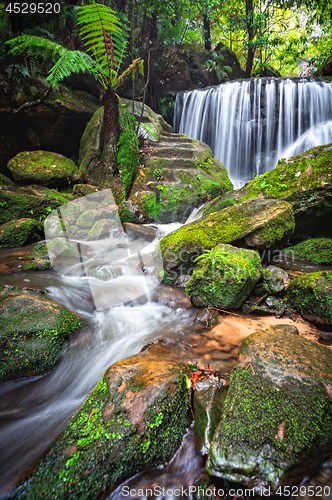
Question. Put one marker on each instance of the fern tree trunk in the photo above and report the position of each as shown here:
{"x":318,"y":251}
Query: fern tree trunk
{"x":111,"y":134}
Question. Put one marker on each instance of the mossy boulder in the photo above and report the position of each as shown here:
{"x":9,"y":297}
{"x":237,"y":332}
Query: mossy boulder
{"x":37,"y":259}
{"x":43,"y":167}
{"x":276,"y":423}
{"x":305,"y":181}
{"x":33,"y":331}
{"x":255,"y":224}
{"x":317,"y":251}
{"x":224,"y":277}
{"x":35,"y":202}
{"x":20,"y":232}
{"x":311,"y":295}
{"x":135,"y":418}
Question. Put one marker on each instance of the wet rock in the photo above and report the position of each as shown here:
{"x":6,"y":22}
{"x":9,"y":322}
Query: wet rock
{"x":130,"y":212}
{"x":33,"y":201}
{"x":277,"y":418}
{"x":317,"y":251}
{"x":43,"y":167}
{"x":182,"y":281}
{"x":224,"y":277}
{"x":311,"y":295}
{"x":265,"y":305}
{"x":33,"y":332}
{"x":206,"y":317}
{"x":20,"y":232}
{"x":254,"y":224}
{"x":100,"y":230}
{"x":305,"y":181}
{"x":208,"y":404}
{"x":275,"y":281}
{"x":135,"y":418}
{"x":138,"y":231}
{"x":84,"y":189}
{"x":37,"y":259}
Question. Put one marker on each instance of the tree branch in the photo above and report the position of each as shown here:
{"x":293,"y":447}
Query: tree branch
{"x":34,"y":103}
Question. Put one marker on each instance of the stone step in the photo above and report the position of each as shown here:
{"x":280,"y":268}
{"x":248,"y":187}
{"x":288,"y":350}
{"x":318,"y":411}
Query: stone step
{"x":162,"y":162}
{"x":176,"y":138}
{"x":173,"y":152}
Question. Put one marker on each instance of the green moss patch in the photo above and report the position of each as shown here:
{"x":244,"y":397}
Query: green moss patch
{"x":224,"y":277}
{"x":20,"y":232}
{"x":277,"y":419}
{"x":33,"y":332}
{"x":134,"y":419}
{"x":317,"y":251}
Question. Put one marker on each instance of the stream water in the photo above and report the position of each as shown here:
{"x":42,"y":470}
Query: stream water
{"x":34,"y":411}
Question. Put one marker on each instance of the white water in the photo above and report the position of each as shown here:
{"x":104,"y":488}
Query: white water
{"x":34,"y":411}
{"x":250,"y":124}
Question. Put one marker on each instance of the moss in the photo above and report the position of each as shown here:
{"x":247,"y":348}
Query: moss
{"x":311,"y":295}
{"x":277,"y":418}
{"x":101,"y":448}
{"x":19,"y":233}
{"x":224,"y":277}
{"x":43,"y":167}
{"x":5,"y":181}
{"x":317,"y":251}
{"x":126,"y":215}
{"x":33,"y":333}
{"x":33,"y":202}
{"x":255,"y":223}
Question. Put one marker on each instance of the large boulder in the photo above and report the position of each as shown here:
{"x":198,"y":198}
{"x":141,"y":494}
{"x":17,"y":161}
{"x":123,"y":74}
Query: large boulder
{"x":33,"y":331}
{"x":305,"y":181}
{"x":20,"y":232}
{"x":255,"y":224}
{"x":224,"y":277}
{"x":35,"y":202}
{"x":276,"y":423}
{"x":43,"y":167}
{"x":135,"y":418}
{"x":311,"y":295}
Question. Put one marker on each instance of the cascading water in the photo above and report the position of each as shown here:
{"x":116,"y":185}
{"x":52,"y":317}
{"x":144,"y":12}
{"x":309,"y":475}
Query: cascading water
{"x":250,"y":124}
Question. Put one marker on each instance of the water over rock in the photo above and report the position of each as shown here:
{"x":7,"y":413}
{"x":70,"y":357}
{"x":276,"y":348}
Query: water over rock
{"x":255,"y":224}
{"x":20,"y":232}
{"x":224,"y":277}
{"x":135,"y":418}
{"x":276,"y":423}
{"x":311,"y":295}
{"x":43,"y":167}
{"x":33,"y":332}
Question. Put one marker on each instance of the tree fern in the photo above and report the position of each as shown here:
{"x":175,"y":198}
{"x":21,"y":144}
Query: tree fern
{"x":70,"y":62}
{"x":35,"y":45}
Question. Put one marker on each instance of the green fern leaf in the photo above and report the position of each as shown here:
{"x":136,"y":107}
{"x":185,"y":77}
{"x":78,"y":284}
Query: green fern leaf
{"x":72,"y":61}
{"x":35,"y":45}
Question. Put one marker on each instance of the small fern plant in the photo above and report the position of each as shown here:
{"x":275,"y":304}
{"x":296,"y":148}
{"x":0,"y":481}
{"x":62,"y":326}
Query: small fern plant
{"x":105,"y":41}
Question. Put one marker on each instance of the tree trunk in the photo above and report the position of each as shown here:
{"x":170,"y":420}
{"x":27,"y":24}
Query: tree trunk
{"x":207,"y":32}
{"x":111,"y":134}
{"x":251,"y":34}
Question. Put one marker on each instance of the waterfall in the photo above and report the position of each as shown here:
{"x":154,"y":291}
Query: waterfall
{"x":250,"y":124}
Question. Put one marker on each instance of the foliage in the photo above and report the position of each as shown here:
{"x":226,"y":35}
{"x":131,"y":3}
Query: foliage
{"x":128,"y":151}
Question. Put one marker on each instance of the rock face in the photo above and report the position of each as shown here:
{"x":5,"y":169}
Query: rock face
{"x":179,"y":173}
{"x":305,"y":181}
{"x":134,"y":419}
{"x":311,"y":295}
{"x":256,"y":224}
{"x":277,"y":419}
{"x":20,"y":232}
{"x":35,"y":201}
{"x":33,"y":332}
{"x":224,"y":277}
{"x":317,"y":251}
{"x":43,"y":167}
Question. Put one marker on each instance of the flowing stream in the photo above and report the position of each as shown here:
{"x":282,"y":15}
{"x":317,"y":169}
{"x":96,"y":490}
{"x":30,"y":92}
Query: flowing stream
{"x":250,"y":124}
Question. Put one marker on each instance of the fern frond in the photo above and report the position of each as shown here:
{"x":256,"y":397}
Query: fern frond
{"x":136,"y":68}
{"x":103,"y":36}
{"x":35,"y":45}
{"x":73,"y":61}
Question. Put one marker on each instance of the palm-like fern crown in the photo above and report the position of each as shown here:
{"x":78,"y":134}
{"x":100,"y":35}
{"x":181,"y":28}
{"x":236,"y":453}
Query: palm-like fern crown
{"x":104,"y":38}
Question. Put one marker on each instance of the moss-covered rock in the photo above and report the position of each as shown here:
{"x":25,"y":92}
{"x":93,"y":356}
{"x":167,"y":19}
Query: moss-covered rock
{"x":20,"y":232}
{"x":37,"y":259}
{"x":305,"y":181}
{"x":4,"y":181}
{"x":33,"y":332}
{"x":43,"y":167}
{"x":224,"y":277}
{"x":277,"y":419}
{"x":134,"y":419}
{"x":35,"y":202}
{"x":254,"y":224}
{"x":317,"y":251}
{"x":311,"y":295}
